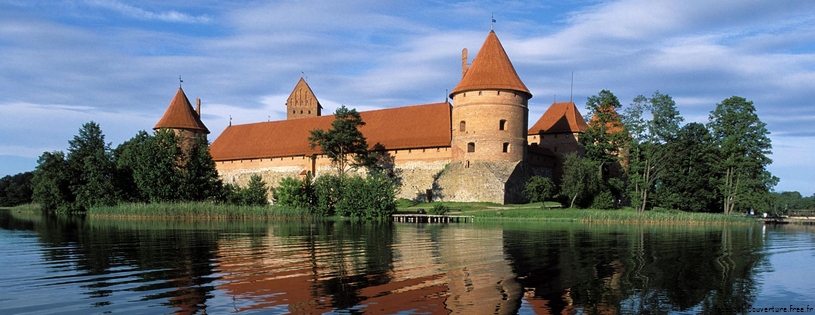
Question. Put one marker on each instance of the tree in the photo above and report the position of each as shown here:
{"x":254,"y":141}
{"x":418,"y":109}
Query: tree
{"x":605,"y":137}
{"x":744,"y":145}
{"x":91,"y":167}
{"x":344,"y":144}
{"x":51,"y":183}
{"x":580,"y":180}
{"x":688,"y":182}
{"x":647,"y":149}
{"x":16,"y":190}
{"x":200,"y":179}
{"x":256,"y":193}
{"x":539,"y":188}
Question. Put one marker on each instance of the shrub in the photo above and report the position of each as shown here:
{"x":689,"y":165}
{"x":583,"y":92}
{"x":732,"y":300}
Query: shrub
{"x":539,"y":188}
{"x":293,"y":193}
{"x":327,"y":190}
{"x":256,"y":193}
{"x":439,"y":209}
{"x":370,"y":197}
{"x":605,"y":200}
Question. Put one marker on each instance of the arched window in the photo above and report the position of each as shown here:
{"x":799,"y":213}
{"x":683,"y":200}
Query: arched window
{"x":502,"y":125}
{"x":462,"y":126}
{"x":506,"y":147}
{"x":471,"y":147}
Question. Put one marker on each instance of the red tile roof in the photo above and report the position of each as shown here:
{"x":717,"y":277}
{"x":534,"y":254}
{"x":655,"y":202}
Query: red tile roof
{"x":409,"y":127}
{"x":181,"y":115}
{"x":614,"y":123}
{"x":561,"y":117}
{"x":491,"y":69}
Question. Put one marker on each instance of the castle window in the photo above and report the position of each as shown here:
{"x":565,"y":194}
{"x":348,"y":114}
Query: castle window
{"x":309,"y":112}
{"x":301,"y":111}
{"x":506,"y":147}
{"x":479,"y":93}
{"x":471,"y":147}
{"x":555,"y":149}
{"x":462,"y":126}
{"x":502,"y":124}
{"x":293,"y":111}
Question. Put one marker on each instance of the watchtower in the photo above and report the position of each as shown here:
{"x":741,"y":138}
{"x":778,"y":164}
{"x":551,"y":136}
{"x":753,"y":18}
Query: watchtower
{"x":489,"y":108}
{"x":182,"y":118}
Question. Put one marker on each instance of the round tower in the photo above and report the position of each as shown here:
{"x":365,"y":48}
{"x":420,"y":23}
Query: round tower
{"x":490,"y":110}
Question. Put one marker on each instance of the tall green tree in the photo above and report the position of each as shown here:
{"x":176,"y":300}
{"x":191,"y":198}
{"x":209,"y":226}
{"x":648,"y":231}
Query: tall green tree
{"x":52,"y":184}
{"x":688,"y":182}
{"x":605,"y":137}
{"x":580,"y":181}
{"x":344,"y":144}
{"x":539,"y":188}
{"x":648,"y":146}
{"x":91,"y":167}
{"x":199,"y":175}
{"x":744,"y":145}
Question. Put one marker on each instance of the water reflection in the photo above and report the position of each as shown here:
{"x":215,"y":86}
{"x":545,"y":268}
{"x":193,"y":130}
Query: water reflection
{"x":148,"y":267}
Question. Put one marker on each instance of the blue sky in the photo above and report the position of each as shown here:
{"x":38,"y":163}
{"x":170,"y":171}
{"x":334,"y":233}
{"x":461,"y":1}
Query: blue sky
{"x":116,"y":62}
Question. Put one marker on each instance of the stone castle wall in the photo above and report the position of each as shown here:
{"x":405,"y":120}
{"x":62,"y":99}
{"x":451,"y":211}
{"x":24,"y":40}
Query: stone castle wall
{"x":415,"y":169}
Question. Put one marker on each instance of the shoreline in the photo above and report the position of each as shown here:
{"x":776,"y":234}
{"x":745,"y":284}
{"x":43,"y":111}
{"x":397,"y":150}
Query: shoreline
{"x":482,"y":212}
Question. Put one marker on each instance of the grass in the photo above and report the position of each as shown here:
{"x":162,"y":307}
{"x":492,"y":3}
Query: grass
{"x":195,"y":210}
{"x":484,"y":211}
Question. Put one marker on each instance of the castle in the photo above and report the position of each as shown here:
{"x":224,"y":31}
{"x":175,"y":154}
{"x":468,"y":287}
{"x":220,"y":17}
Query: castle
{"x":479,"y":148}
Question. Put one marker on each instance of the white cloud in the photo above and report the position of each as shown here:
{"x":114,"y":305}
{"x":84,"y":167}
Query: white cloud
{"x":142,"y":14}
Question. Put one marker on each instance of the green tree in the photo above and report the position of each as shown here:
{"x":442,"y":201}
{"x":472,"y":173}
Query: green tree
{"x":91,"y":168}
{"x":200,"y":179}
{"x":344,"y":144}
{"x":647,"y":149}
{"x":688,"y":182}
{"x":16,"y":190}
{"x":580,"y":182}
{"x":744,"y":145}
{"x":294,"y":193}
{"x":51,"y":183}
{"x":539,"y":188}
{"x":256,"y":193}
{"x":605,"y":136}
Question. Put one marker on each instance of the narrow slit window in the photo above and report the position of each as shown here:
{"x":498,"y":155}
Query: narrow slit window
{"x":471,"y":147}
{"x":502,"y":125}
{"x":506,"y":147}
{"x":462,"y":126}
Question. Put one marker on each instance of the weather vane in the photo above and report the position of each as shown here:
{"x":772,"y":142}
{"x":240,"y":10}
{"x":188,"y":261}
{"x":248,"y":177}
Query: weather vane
{"x":180,"y":81}
{"x":492,"y":26}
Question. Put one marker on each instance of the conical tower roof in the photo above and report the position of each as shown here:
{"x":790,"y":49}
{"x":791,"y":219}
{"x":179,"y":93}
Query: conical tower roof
{"x":181,"y":115}
{"x":491,"y":69}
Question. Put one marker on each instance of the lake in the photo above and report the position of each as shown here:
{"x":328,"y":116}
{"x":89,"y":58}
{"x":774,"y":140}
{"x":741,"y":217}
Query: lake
{"x":60,"y":265}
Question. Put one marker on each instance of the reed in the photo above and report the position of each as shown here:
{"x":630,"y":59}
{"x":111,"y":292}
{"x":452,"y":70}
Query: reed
{"x":610,"y":216}
{"x":195,"y":210}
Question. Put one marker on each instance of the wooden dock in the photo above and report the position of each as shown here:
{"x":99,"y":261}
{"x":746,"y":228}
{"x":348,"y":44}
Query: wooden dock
{"x":431,"y":218}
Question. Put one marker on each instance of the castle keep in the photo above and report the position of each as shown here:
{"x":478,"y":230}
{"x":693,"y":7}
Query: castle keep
{"x":479,"y":148}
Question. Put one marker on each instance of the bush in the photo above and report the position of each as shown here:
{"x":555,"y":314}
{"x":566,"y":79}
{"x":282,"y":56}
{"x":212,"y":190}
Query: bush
{"x":293,"y":193}
{"x":370,"y":197}
{"x":605,"y":200}
{"x":539,"y":188}
{"x":439,"y":209}
{"x":327,"y":190}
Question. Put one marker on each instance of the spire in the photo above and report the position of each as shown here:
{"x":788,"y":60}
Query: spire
{"x":181,"y":115}
{"x":491,"y":69}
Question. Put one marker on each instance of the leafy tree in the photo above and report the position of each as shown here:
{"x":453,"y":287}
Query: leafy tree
{"x":647,"y":149}
{"x":344,"y":144}
{"x":256,"y":193}
{"x":51,"y":183}
{"x":368,"y":198}
{"x":580,"y":180}
{"x":91,"y":167}
{"x":294,"y":193}
{"x":605,"y":137}
{"x":688,"y":182}
{"x":199,"y":175}
{"x":744,"y":146}
{"x":539,"y":188}
{"x":16,"y":190}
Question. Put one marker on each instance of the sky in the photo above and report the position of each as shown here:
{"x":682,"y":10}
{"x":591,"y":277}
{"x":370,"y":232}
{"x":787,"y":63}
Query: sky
{"x":67,"y":62}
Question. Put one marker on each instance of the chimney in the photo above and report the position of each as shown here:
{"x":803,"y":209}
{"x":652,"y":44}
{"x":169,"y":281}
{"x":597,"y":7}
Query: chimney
{"x":198,"y":106}
{"x":463,"y":62}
